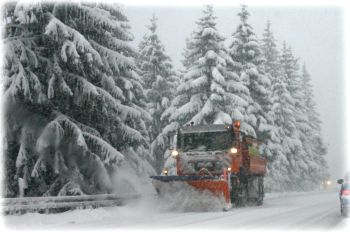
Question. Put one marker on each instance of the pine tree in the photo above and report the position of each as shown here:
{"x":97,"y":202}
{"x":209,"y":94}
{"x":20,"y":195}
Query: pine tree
{"x":202,"y":95}
{"x":299,"y":159}
{"x":277,"y":165}
{"x":314,"y":145}
{"x":270,"y":52}
{"x":71,"y":68}
{"x":292,"y":165}
{"x":246,"y":52}
{"x":159,"y":82}
{"x":23,"y":94}
{"x":281,"y":141}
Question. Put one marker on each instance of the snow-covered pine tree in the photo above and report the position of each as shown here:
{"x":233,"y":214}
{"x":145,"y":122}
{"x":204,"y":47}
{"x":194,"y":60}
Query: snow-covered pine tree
{"x":282,"y":142}
{"x":118,"y":112}
{"x":246,"y":52}
{"x":270,"y":52}
{"x":300,"y":159}
{"x":291,"y":97}
{"x":314,"y":144}
{"x":78,"y":81}
{"x":277,"y":165}
{"x":202,"y":96}
{"x":160,"y":83}
{"x":24,"y":96}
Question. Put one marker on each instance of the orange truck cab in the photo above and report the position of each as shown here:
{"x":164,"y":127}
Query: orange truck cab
{"x":218,"y":158}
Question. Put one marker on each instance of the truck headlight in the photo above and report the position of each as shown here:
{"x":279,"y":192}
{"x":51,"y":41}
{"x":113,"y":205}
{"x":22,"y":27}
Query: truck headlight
{"x":233,"y":150}
{"x":174,"y":153}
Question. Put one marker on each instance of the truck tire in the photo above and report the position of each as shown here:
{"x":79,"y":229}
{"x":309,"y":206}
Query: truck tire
{"x":235,"y":190}
{"x":260,"y":199}
{"x":243,"y":196}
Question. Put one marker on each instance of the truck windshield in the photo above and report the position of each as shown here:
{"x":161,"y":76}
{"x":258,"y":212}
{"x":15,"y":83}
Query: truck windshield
{"x":206,"y":141}
{"x":210,"y":165}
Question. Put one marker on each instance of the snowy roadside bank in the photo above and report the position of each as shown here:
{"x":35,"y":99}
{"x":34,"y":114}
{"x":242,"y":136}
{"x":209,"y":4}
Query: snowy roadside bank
{"x":149,"y":212}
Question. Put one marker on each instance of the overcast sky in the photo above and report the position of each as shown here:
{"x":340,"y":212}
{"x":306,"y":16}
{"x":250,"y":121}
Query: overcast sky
{"x":315,"y":34}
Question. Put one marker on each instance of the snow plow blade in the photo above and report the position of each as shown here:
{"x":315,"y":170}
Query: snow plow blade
{"x":217,"y":187}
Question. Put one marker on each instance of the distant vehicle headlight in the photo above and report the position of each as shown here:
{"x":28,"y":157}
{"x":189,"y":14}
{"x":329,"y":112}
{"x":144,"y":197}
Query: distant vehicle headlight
{"x":329,"y":182}
{"x":165,"y":172}
{"x":174,"y":153}
{"x":233,"y":150}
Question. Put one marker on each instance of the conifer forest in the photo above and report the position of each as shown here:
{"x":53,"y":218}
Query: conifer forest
{"x":85,"y":111}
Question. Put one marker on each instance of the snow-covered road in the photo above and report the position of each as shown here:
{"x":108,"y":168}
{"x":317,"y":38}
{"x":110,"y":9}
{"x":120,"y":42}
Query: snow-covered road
{"x":313,"y":210}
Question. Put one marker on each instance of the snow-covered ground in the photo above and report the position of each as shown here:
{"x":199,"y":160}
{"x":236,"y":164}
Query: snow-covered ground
{"x":312,"y":210}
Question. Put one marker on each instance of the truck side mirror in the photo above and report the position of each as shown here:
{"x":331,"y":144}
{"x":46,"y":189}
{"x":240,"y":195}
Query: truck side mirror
{"x":340,"y":181}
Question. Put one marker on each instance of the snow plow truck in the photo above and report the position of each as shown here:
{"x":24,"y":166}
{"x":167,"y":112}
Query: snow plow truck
{"x":219,"y":159}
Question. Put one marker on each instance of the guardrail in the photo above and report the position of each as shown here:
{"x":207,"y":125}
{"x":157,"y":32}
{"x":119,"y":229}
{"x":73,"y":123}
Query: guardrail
{"x":61,"y":203}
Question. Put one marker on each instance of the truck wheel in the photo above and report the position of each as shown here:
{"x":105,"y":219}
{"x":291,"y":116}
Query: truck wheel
{"x":243,"y":199}
{"x":260,"y":199}
{"x":235,"y":191}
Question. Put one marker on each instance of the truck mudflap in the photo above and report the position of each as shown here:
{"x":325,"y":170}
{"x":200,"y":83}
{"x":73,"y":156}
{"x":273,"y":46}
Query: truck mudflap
{"x":218,"y":187}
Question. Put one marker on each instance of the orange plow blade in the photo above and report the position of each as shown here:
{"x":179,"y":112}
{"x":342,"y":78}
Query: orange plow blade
{"x":217,"y":187}
{"x":203,"y":190}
